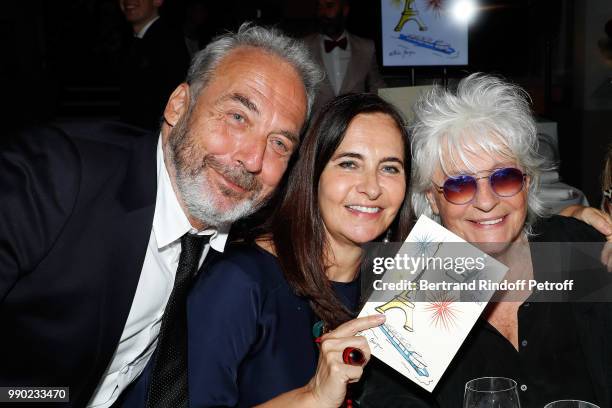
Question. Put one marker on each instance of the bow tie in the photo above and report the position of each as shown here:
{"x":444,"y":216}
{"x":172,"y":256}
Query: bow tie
{"x":331,"y":44}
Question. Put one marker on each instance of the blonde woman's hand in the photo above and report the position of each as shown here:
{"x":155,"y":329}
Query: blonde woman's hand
{"x":599,"y":220}
{"x":596,"y":218}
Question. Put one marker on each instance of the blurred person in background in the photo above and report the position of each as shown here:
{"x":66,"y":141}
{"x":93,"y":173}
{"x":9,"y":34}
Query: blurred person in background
{"x":197,"y":25}
{"x":154,"y":61}
{"x":349,"y":61}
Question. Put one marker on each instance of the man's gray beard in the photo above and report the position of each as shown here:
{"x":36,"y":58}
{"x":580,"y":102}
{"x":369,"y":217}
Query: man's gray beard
{"x":193,"y":185}
{"x":205,"y":208}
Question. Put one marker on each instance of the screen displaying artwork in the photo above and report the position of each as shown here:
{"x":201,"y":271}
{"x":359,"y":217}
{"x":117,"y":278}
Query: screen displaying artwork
{"x":422,"y":33}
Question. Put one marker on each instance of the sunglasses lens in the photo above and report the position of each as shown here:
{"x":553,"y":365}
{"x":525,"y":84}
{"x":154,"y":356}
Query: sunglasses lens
{"x":507,"y":182}
{"x":459,"y":190}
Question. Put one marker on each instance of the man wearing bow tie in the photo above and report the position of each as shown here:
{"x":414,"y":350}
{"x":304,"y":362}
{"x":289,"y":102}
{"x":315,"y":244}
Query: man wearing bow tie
{"x":348,"y":60}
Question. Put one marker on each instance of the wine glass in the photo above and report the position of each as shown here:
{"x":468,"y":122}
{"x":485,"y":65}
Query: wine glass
{"x":570,"y":404}
{"x":491,"y":392}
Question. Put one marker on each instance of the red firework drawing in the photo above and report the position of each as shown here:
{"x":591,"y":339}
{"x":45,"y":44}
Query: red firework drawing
{"x":443,"y":311}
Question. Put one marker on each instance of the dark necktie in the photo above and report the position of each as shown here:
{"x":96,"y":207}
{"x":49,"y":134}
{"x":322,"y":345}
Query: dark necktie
{"x":168,"y":385}
{"x":331,"y":44}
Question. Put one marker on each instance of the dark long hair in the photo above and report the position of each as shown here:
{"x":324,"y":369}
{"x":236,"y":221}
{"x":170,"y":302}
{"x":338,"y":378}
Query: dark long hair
{"x":297,"y":226}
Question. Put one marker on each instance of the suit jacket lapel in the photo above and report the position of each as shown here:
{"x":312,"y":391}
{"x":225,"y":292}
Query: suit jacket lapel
{"x":119,"y":186}
{"x":211,"y":256}
{"x":318,"y":56}
{"x":131,"y":228}
{"x":350,"y":66}
{"x":137,"y":198}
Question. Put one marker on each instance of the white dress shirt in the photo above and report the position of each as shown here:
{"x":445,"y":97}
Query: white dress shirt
{"x":336,"y":62}
{"x":139,"y":337}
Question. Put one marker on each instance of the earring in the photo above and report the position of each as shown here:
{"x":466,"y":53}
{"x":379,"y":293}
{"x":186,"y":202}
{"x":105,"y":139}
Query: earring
{"x":387,"y":236}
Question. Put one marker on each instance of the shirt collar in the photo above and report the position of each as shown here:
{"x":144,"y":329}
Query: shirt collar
{"x":343,"y":35}
{"x":144,"y":29}
{"x":169,"y":221}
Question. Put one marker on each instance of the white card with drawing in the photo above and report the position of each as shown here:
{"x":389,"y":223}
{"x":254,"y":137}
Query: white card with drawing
{"x":431,"y":294}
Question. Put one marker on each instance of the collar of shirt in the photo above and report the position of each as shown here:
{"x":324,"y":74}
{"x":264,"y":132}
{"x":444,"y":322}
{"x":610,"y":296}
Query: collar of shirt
{"x":169,"y":221}
{"x":144,"y":29}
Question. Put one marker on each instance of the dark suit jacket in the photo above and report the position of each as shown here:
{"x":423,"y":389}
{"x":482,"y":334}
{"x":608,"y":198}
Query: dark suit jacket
{"x":152,"y":68}
{"x":76,"y":215}
{"x":135,"y":395}
{"x":362,"y":73}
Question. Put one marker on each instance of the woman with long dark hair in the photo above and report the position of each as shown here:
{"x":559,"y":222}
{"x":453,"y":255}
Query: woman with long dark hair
{"x":252,"y":341}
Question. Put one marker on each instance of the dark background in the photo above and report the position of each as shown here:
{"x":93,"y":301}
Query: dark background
{"x":59,"y":60}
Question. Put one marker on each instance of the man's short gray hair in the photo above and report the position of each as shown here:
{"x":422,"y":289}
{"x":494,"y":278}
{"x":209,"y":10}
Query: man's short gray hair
{"x":484,"y":115}
{"x":270,"y":40}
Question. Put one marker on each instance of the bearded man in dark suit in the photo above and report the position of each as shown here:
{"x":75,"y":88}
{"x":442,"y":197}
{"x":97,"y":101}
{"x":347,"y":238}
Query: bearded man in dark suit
{"x":94,"y":218}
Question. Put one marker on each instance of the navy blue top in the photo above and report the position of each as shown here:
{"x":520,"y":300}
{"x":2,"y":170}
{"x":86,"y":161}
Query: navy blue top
{"x":250,"y":337}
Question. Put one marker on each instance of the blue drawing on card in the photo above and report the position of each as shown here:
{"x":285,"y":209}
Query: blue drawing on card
{"x":430,"y":43}
{"x":426,"y":244}
{"x":412,"y":357}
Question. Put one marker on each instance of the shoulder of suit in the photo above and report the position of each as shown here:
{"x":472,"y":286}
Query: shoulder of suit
{"x":42,"y":148}
{"x":168,"y":40}
{"x":80,"y":137}
{"x":312,"y":40}
{"x":311,"y":37}
{"x":364,"y":46}
{"x":87,"y":148}
{"x":361,"y":41}
{"x":40,"y":174}
{"x":159,"y":28}
{"x":557,"y":228}
{"x":249,"y":263}
{"x":105,"y":132}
